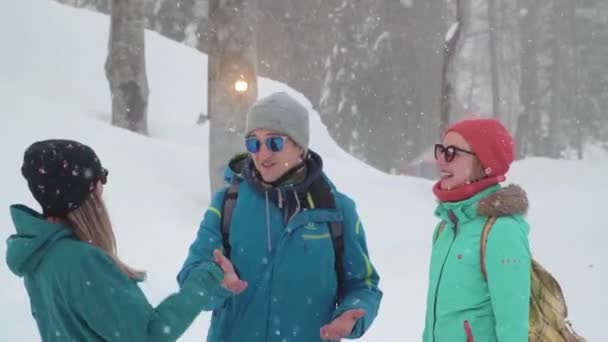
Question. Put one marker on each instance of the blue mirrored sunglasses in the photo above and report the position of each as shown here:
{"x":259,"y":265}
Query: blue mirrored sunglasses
{"x":274,"y":144}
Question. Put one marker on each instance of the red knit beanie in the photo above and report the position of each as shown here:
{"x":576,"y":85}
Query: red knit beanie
{"x":490,"y":141}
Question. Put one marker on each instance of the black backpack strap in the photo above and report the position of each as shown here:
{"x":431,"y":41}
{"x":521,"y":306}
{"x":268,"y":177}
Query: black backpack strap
{"x":323,"y":197}
{"x":228,"y":205}
{"x":337,"y":238}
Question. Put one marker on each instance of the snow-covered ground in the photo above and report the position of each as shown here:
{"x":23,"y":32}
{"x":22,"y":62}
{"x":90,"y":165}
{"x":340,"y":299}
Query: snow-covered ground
{"x":52,"y":85}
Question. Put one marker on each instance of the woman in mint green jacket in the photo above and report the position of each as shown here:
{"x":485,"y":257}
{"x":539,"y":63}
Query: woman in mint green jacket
{"x":79,"y":289}
{"x":462,"y":303}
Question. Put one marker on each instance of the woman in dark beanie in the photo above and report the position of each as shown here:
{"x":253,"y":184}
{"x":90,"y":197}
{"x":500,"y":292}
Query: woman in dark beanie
{"x":78,"y":287}
{"x":470,"y":299}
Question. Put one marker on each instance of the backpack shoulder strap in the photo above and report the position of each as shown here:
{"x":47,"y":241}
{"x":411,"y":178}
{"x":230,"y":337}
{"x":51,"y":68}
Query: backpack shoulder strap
{"x":337,"y":238}
{"x":322,"y":197}
{"x":227,"y":208}
{"x":483,"y":241}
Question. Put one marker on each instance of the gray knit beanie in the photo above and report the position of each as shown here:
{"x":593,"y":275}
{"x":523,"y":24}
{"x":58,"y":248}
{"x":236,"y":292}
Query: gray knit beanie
{"x":281,"y":113}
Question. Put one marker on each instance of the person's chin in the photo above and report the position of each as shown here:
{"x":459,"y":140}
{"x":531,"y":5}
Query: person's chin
{"x":269,"y":177}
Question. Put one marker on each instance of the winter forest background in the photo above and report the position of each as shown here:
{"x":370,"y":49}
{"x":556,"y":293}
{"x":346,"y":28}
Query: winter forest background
{"x":386,"y":75}
{"x":150,"y":84}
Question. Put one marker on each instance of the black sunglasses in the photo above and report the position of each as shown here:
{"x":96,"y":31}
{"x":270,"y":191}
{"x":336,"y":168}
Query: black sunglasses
{"x":104,"y":176}
{"x":449,"y":152}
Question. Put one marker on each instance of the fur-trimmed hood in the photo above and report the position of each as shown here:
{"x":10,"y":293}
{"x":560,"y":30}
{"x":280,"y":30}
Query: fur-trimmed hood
{"x":494,"y":201}
{"x":510,"y":200}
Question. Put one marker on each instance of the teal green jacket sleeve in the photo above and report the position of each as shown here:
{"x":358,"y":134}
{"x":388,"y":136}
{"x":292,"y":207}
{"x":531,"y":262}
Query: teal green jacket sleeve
{"x":116,"y":309}
{"x":508,"y":265}
{"x":361,"y":279}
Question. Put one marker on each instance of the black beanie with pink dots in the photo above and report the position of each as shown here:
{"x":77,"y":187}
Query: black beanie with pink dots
{"x":61,"y":174}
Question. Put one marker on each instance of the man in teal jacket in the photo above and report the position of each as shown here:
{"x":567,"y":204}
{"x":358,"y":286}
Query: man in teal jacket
{"x":280,"y":240}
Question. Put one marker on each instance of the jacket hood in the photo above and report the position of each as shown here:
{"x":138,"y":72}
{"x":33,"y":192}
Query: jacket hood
{"x":510,"y":200}
{"x":241,"y":167}
{"x":35,"y":236}
{"x":494,"y":201}
{"x":236,"y":165}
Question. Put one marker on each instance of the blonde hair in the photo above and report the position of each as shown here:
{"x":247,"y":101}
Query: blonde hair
{"x":91,"y":224}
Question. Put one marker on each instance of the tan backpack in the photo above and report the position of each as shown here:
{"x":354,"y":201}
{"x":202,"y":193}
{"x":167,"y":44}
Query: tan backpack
{"x":548,"y":311}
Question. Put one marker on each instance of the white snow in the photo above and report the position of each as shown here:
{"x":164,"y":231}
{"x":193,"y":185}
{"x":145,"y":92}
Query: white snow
{"x":52,"y":85}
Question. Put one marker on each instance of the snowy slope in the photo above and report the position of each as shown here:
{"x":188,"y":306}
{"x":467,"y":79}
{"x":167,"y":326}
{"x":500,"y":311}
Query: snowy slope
{"x":52,"y":85}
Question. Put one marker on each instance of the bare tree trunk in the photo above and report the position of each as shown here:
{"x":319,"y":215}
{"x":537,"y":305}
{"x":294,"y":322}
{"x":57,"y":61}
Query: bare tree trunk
{"x":493,"y":59}
{"x":472,"y":87}
{"x":556,"y":100}
{"x":574,"y":107}
{"x":528,"y":125}
{"x":126,"y":66}
{"x":507,"y":61}
{"x":232,"y":59}
{"x":449,"y":51}
{"x":558,"y":84}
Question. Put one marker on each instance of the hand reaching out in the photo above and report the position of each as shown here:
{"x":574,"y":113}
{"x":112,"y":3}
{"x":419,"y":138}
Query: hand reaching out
{"x":231,"y":279}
